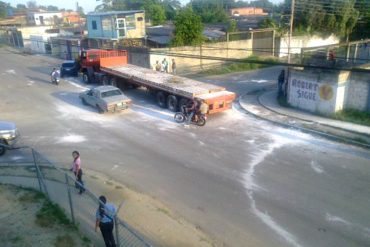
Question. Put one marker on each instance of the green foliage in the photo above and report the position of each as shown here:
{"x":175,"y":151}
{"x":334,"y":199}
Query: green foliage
{"x":211,"y":11}
{"x":324,"y":17}
{"x":154,"y":12}
{"x":268,"y":23}
{"x":3,"y":7}
{"x":232,"y":26}
{"x":188,"y":28}
{"x":353,"y":116}
{"x":50,"y":214}
{"x":239,"y":67}
{"x":171,"y":8}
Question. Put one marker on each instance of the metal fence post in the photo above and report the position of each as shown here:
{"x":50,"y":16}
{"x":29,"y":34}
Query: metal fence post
{"x":37,"y":170}
{"x":70,"y":198}
{"x":117,"y":232}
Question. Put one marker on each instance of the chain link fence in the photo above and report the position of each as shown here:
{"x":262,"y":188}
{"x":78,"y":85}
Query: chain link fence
{"x":37,"y":172}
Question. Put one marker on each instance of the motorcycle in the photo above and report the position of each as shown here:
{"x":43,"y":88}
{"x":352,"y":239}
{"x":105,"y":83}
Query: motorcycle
{"x":55,"y":77}
{"x":183,"y":116}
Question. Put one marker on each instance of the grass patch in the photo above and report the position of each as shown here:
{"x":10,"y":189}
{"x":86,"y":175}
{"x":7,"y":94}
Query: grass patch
{"x":245,"y":65}
{"x":16,"y":239}
{"x":64,"y":241}
{"x":109,"y":182}
{"x":94,"y":177}
{"x":86,"y":240}
{"x":163,"y":210}
{"x":353,"y":116}
{"x":31,"y":197}
{"x":50,"y":214}
{"x":118,"y":187}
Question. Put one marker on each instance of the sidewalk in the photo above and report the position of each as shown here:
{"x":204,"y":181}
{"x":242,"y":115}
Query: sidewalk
{"x":263,"y":104}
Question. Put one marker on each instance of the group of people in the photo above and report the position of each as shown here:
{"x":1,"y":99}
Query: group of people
{"x":164,"y":66}
{"x":196,"y":108}
{"x":105,"y":213}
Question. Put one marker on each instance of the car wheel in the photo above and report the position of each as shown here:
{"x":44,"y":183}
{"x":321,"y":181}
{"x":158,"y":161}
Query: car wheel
{"x":85,"y":78}
{"x":2,"y":149}
{"x":100,"y":110}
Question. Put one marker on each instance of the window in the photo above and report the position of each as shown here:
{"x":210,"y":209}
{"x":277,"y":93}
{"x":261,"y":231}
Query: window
{"x":94,"y":27}
{"x":110,"y":93}
{"x":106,"y":24}
{"x":130,"y":22}
{"x":139,"y":19}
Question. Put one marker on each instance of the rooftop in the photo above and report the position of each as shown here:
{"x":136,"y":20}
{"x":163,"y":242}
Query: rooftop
{"x":128,"y":12}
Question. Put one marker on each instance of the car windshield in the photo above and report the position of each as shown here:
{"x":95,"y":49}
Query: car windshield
{"x":110,"y":93}
{"x":67,"y":65}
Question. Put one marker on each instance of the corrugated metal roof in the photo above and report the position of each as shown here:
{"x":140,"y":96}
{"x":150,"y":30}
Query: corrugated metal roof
{"x":128,"y":12}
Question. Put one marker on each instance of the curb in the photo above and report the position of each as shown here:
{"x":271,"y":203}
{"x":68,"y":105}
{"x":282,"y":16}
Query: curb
{"x":306,"y":130}
{"x":305,"y":120}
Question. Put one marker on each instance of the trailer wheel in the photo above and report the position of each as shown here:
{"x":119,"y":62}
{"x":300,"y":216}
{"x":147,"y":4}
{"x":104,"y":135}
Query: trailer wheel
{"x":172,"y":103}
{"x":183,"y":102}
{"x":105,"y":80}
{"x":161,"y":99}
{"x":113,"y":81}
{"x":85,"y":78}
{"x":2,"y":148}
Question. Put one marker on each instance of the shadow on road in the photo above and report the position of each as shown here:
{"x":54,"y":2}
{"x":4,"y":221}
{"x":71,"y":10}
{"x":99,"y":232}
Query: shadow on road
{"x":38,"y":79}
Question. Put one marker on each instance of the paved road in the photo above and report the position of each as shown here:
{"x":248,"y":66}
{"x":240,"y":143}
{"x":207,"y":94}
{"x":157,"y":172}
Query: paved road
{"x":244,"y":181}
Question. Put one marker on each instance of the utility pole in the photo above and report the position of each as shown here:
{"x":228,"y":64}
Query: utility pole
{"x":290,"y":27}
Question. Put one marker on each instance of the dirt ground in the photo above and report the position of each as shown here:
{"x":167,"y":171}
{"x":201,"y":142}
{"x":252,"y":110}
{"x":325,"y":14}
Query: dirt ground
{"x":149,"y":216}
{"x":19,"y":226}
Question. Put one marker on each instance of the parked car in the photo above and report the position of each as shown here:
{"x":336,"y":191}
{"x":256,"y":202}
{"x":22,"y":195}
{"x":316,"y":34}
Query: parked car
{"x":69,"y":68}
{"x":8,"y":136}
{"x":105,"y":99}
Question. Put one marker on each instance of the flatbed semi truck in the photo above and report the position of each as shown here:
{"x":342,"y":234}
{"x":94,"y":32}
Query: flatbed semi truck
{"x":110,"y":67}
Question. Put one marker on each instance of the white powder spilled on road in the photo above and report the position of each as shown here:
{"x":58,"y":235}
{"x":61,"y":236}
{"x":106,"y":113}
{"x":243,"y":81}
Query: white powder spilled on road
{"x":316,"y":167}
{"x":77,"y":85}
{"x":201,"y":143}
{"x":332,"y":218}
{"x":259,"y":81}
{"x":71,"y":138}
{"x":349,"y":226}
{"x":114,"y":167}
{"x":30,"y":83}
{"x":10,"y":71}
{"x":277,"y":141}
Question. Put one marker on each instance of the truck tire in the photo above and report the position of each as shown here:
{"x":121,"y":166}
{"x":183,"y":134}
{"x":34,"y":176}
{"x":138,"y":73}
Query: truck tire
{"x":113,"y":81}
{"x":183,"y":102}
{"x":85,"y":78}
{"x":172,"y":103}
{"x":105,"y":80}
{"x":2,"y":149}
{"x":161,"y":99}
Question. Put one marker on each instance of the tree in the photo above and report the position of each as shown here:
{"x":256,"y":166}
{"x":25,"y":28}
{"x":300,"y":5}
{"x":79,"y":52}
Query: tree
{"x":31,"y":4}
{"x":3,"y":9}
{"x":362,"y":28}
{"x":52,"y":8}
{"x":188,"y":28}
{"x":171,"y":7}
{"x":267,"y":23}
{"x":21,"y":6}
{"x":232,"y":26}
{"x":324,"y":17}
{"x":211,"y":11}
{"x":154,"y":12}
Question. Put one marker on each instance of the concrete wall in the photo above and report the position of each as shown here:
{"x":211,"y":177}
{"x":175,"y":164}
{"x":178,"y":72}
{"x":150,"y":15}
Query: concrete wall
{"x":299,"y":42}
{"x":317,"y":91}
{"x":358,"y":93}
{"x":326,"y":92}
{"x":187,"y":65}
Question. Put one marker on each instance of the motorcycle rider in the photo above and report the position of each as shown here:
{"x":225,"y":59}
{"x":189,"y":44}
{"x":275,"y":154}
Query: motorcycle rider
{"x":55,"y":76}
{"x":190,"y":109}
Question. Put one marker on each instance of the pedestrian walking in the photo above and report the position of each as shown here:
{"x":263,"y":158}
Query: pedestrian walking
{"x":173,"y":66}
{"x":105,"y":221}
{"x":76,"y":169}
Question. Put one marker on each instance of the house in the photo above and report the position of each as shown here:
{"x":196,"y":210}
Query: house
{"x":71,"y":18}
{"x":43,"y":18}
{"x":116,"y":25}
{"x":247,"y":11}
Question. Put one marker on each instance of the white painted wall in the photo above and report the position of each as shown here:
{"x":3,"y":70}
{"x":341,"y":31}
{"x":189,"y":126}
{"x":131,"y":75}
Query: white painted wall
{"x":37,"y":42}
{"x":299,"y":42}
{"x":48,"y":17}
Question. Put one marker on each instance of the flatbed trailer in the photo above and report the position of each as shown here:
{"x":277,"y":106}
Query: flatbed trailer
{"x":171,"y":91}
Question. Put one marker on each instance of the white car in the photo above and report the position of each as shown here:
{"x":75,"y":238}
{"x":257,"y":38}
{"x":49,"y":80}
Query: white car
{"x":106,"y":99}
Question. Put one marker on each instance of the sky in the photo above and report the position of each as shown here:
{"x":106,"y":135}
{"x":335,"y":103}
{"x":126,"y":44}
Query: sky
{"x":87,"y":5}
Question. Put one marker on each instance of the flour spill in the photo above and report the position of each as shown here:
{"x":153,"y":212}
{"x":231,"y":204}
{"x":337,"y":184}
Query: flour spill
{"x":10,"y":71}
{"x":316,"y":167}
{"x":276,"y":142}
{"x":71,"y":138}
